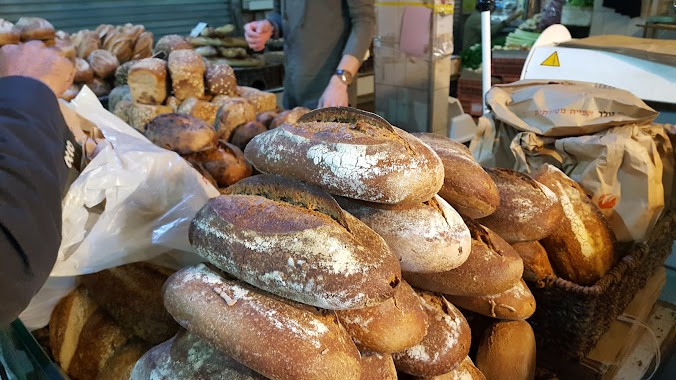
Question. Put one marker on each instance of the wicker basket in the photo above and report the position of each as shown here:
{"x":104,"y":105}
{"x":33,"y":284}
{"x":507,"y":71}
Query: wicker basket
{"x":570,"y":319}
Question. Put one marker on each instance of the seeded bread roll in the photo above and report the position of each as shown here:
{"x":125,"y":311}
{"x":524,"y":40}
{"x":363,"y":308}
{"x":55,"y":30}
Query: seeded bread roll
{"x":35,"y":28}
{"x":376,"y":365}
{"x":173,"y":103}
{"x":123,"y":109}
{"x":507,"y":351}
{"x":293,"y":240}
{"x":444,"y":347}
{"x":243,"y":134}
{"x":122,"y":72}
{"x":220,"y":80}
{"x":226,"y":164}
{"x":143,"y":46}
{"x":430,"y":237}
{"x":536,"y":265}
{"x":140,"y":115}
{"x":103,"y":62}
{"x":147,"y":81}
{"x":233,"y":113}
{"x":289,"y":116}
{"x":582,"y":246}
{"x":266,"y":118}
{"x":391,"y":326}
{"x":9,"y":34}
{"x":261,"y":100}
{"x":187,"y":356}
{"x":515,"y":303}
{"x":467,"y":187}
{"x":492,"y":267}
{"x":528,"y":210}
{"x":120,"y":365}
{"x":117,"y":95}
{"x":351,"y":153}
{"x":187,"y":74}
{"x":200,"y":109}
{"x":275,"y":337}
{"x":184,"y":134}
{"x":167,"y":44}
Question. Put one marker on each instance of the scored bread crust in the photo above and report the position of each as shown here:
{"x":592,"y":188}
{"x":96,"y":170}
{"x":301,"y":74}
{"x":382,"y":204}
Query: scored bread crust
{"x":536,"y":264}
{"x":516,"y":302}
{"x":275,"y":337}
{"x":293,"y":240}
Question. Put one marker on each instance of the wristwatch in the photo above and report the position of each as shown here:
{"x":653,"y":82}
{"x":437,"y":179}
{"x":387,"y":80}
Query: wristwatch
{"x":344,"y":76}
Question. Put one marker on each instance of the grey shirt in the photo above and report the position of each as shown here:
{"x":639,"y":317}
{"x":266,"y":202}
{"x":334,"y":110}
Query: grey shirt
{"x":317,"y":33}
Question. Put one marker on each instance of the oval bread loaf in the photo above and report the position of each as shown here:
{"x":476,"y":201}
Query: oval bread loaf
{"x":426,"y":238}
{"x":183,"y":134}
{"x":464,"y":371}
{"x":375,"y":365}
{"x":528,"y":210}
{"x":391,"y":326}
{"x":515,"y":303}
{"x":350,"y":153}
{"x":467,"y":187}
{"x":246,"y":132}
{"x":276,"y":338}
{"x":582,"y":247}
{"x":507,"y":351}
{"x":226,"y":164}
{"x":293,"y":240}
{"x":536,"y":264}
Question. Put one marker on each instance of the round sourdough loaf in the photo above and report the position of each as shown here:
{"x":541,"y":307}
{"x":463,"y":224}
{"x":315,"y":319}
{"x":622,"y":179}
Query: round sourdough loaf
{"x":536,"y":264}
{"x":467,"y":187}
{"x":378,"y":366}
{"x":515,"y":303}
{"x":275,"y":337}
{"x":444,"y":346}
{"x":507,"y":351}
{"x":492,"y":267}
{"x":293,"y":240}
{"x":528,"y":210}
{"x":582,"y":246}
{"x":350,"y":153}
{"x":391,"y":326}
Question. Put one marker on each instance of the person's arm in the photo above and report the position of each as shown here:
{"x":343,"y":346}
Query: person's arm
{"x":275,"y":19}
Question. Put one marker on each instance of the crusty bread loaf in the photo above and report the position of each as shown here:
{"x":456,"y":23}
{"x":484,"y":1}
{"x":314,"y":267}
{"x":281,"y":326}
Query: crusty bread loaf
{"x":120,"y":365}
{"x":122,"y":72}
{"x":275,"y":337}
{"x":378,"y":366}
{"x":293,"y":240}
{"x":445,"y":345}
{"x":71,"y":92}
{"x":143,"y":46}
{"x":507,"y":351}
{"x":515,"y":303}
{"x":83,"y":71}
{"x":187,"y":356}
{"x":394,"y":325}
{"x":120,"y":44}
{"x":35,"y":28}
{"x":464,"y":371}
{"x":187,"y":73}
{"x":288,"y":116}
{"x":429,"y":237}
{"x":261,"y":100}
{"x":582,"y":246}
{"x":467,"y":187}
{"x":9,"y":34}
{"x":140,"y":115}
{"x":199,"y":109}
{"x":167,"y":44}
{"x":117,"y":95}
{"x":104,"y":29}
{"x":132,"y":295}
{"x":122,"y":110}
{"x":183,"y":134}
{"x":266,"y":118}
{"x":220,"y":79}
{"x":147,"y":81}
{"x":492,"y":267}
{"x":86,"y":41}
{"x":100,"y":87}
{"x":351,"y":153}
{"x":528,"y":210}
{"x":233,"y":113}
{"x":66,"y":323}
{"x":245,"y":133}
{"x":103,"y":62}
{"x":225,"y":163}
{"x":65,"y":48}
{"x":536,"y":264}
{"x":173,"y":103}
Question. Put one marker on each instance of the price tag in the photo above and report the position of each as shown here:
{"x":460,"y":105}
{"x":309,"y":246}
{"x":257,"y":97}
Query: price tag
{"x":198,"y":29}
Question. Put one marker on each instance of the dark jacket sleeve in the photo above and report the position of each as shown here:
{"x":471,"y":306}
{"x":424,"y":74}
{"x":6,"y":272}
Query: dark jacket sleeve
{"x":275,"y":18}
{"x":33,"y":173}
{"x":363,"y":17}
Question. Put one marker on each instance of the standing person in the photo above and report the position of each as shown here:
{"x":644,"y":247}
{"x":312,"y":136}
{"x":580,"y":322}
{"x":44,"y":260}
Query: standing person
{"x":324,"y":45}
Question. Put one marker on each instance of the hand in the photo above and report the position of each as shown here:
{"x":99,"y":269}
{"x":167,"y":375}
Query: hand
{"x":257,"y":33}
{"x":36,"y":61}
{"x":335,"y":94}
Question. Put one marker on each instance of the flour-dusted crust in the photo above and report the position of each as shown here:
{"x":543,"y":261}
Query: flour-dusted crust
{"x":516,"y":302}
{"x":375,"y":365}
{"x":293,"y":240}
{"x":275,"y":337}
{"x":507,"y":351}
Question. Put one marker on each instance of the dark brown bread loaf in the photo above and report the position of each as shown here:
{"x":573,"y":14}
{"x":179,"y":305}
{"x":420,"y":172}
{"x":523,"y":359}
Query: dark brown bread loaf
{"x":226,"y":164}
{"x":464,"y":371}
{"x":289,"y":116}
{"x":266,"y":118}
{"x":507,"y":351}
{"x":492,"y":267}
{"x":233,"y":112}
{"x":378,"y":366}
{"x":445,"y":345}
{"x":183,"y":134}
{"x":429,"y":237}
{"x":582,"y":246}
{"x":120,"y":365}
{"x":467,"y":187}
{"x":275,"y":337}
{"x":350,"y":153}
{"x":528,"y":210}
{"x":186,"y":357}
{"x":536,"y":264}
{"x":515,"y":303}
{"x":132,"y":295}
{"x":293,"y":240}
{"x":246,"y":132}
{"x":391,"y":326}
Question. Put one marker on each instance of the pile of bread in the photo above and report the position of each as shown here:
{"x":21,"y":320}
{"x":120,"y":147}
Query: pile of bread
{"x":218,"y":46}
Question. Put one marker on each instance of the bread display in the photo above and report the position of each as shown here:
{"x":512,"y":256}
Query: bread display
{"x":266,"y":118}
{"x":183,"y":134}
{"x":507,"y":351}
{"x":140,"y":115}
{"x":492,"y":267}
{"x":9,"y":33}
{"x":528,"y":210}
{"x":233,"y":113}
{"x":467,"y":187}
{"x":200,"y":109}
{"x":293,"y":240}
{"x":35,"y":28}
{"x":186,"y":68}
{"x":288,"y":116}
{"x":246,"y":132}
{"x":350,"y":153}
{"x":167,"y":44}
{"x":276,"y":338}
{"x":147,"y":80}
{"x":65,"y":48}
{"x":445,"y":345}
{"x":393,"y":325}
{"x":119,"y":44}
{"x":536,"y":264}
{"x":143,"y":46}
{"x":582,"y":246}
{"x":375,"y":365}
{"x":103,"y":62}
{"x":515,"y":303}
{"x":220,"y":80}
{"x":427,"y":238}
{"x":226,"y":163}
{"x":261,"y":100}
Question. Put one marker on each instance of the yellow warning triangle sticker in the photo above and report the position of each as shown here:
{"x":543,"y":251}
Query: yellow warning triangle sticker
{"x":552,"y":60}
